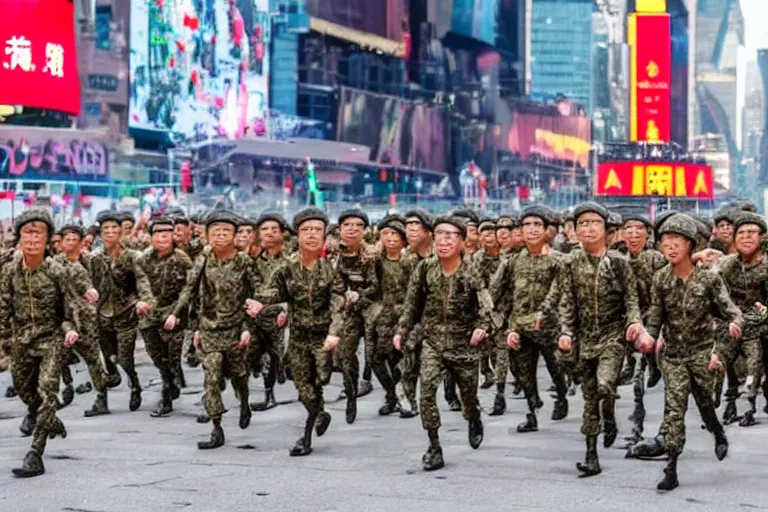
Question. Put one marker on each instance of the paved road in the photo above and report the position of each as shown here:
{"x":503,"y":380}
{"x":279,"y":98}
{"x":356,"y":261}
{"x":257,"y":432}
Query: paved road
{"x":131,"y":462}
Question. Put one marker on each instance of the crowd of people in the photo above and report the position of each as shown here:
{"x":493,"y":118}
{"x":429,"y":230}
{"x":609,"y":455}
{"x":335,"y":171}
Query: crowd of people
{"x":453,"y":300}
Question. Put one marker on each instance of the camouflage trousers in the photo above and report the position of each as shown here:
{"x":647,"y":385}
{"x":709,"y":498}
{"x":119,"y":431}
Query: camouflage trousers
{"x":681,"y":378}
{"x":528,"y":355}
{"x":86,"y":347}
{"x":36,"y":372}
{"x":411,"y":364}
{"x":269,"y":343}
{"x":384,"y":358}
{"x":117,"y":338}
{"x":220,"y":357}
{"x":433,"y":366}
{"x":600,"y":376}
{"x":311,"y":370}
{"x":504,"y":360}
{"x":164,"y":348}
{"x":351,"y":332}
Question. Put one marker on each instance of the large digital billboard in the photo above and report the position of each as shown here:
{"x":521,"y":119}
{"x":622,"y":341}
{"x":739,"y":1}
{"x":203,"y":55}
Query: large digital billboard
{"x":200,"y":69}
{"x":38,"y":61}
{"x":650,"y":77}
{"x":654,"y":179}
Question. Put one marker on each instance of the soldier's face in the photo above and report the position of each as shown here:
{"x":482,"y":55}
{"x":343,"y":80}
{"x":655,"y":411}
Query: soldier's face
{"x":33,"y":237}
{"x":351,"y":231}
{"x":162,"y":239}
{"x":590,"y":228}
{"x":517,"y":238}
{"x":111,"y":232}
{"x":127,"y":227}
{"x":569,"y":229}
{"x":270,"y":234}
{"x":415,"y":233}
{"x":200,"y":230}
{"x":391,"y":240}
{"x":724,"y":231}
{"x":88,"y":241}
{"x":534,"y":231}
{"x":181,"y":234}
{"x":221,"y":235}
{"x":71,"y":243}
{"x":312,"y":235}
{"x":448,"y":241}
{"x":473,"y":237}
{"x":244,"y":237}
{"x":504,"y":236}
{"x":748,"y":239}
{"x":551,"y":233}
{"x":56,"y":243}
{"x":676,"y":248}
{"x":636,"y":235}
{"x":489,"y":240}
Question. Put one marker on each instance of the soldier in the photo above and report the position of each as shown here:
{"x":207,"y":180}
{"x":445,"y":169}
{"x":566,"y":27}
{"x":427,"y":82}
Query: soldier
{"x":186,"y":239}
{"x":504,"y":226}
{"x":246,"y":234}
{"x":746,"y":277}
{"x":80,"y":302}
{"x":613,"y":237}
{"x":487,"y":260}
{"x":598,"y":304}
{"x":356,"y":263}
{"x":683,"y":300}
{"x":34,"y":319}
{"x":418,"y":233}
{"x":722,"y":235}
{"x":448,"y":296}
{"x":167,"y":268}
{"x":392,"y":271}
{"x":270,"y":323}
{"x":315,"y":294}
{"x":219,"y":284}
{"x":531,"y":279}
{"x":124,"y":295}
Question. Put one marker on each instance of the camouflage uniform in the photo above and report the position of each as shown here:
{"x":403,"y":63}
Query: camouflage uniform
{"x":487,"y":264}
{"x":167,"y":277}
{"x":121,"y":284}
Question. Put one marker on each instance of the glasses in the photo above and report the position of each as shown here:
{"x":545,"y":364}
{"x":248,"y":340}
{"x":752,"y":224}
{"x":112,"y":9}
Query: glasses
{"x":590,"y":222}
{"x":447,"y":234}
{"x":353,"y":224}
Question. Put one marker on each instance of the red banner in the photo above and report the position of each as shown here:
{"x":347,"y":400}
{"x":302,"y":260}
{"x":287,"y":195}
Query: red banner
{"x":654,"y":179}
{"x":650,"y":76}
{"x":38,"y":60}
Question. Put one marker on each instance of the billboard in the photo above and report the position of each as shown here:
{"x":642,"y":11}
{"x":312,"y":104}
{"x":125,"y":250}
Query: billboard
{"x":654,"y":179}
{"x":53,"y":159}
{"x":38,"y":63}
{"x":650,"y":77}
{"x":200,"y":69}
{"x":372,"y":18}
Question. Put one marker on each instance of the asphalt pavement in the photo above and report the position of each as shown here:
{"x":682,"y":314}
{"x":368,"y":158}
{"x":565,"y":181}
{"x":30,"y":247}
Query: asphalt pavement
{"x":128,"y":461}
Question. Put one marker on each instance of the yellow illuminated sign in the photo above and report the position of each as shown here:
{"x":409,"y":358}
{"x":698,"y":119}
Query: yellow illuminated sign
{"x":651,"y":6}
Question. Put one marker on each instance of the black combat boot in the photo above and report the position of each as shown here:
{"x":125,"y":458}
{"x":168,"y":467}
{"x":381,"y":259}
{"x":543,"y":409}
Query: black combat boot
{"x":530,"y":424}
{"x":475,"y":432}
{"x":217,"y":437}
{"x":591,"y":464}
{"x":10,"y":392}
{"x":365,"y":387}
{"x":487,"y":381}
{"x":268,"y":403}
{"x":135,"y":401}
{"x":85,"y":387}
{"x":610,"y":430}
{"x":669,"y":481}
{"x":560,"y":411}
{"x":99,"y":407}
{"x":748,"y":419}
{"x":241,"y":385}
{"x":351,"y":405}
{"x":303,"y":445}
{"x":67,"y":395}
{"x":165,"y":407}
{"x":32,"y":466}
{"x":409,"y":412}
{"x":721,"y":444}
{"x":649,"y":448}
{"x":112,"y":380}
{"x":57,"y":429}
{"x":203,"y":418}
{"x":193,"y":360}
{"x":391,"y":406}
{"x":433,"y":458}
{"x":730,"y":415}
{"x":29,"y":423}
{"x":654,"y":376}
{"x":499,"y":405}
{"x":322,"y":423}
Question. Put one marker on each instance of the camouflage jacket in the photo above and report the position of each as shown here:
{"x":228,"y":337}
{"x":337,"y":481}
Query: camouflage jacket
{"x":598,"y":301}
{"x":644,"y":265}
{"x":486,"y":264}
{"x":121,"y":283}
{"x":32,"y":303}
{"x":718,"y":245}
{"x":217,"y":291}
{"x":746,"y":285}
{"x":393,"y":276}
{"x":315,"y":297}
{"x":359,"y":274}
{"x":266,"y":266}
{"x":448,"y":307}
{"x":167,"y":278}
{"x":80,"y":278}
{"x":685,"y":310}
{"x":83,"y":313}
{"x":193,"y":249}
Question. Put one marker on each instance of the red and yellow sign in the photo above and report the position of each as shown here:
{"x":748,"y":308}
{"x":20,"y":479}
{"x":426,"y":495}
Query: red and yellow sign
{"x":650,"y":74}
{"x":654,"y":179}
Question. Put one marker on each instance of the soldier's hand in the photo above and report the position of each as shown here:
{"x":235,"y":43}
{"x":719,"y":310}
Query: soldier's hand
{"x":142,"y":308}
{"x":513,"y":340}
{"x":170,"y":323}
{"x":478,"y":335}
{"x":565,"y":343}
{"x":91,"y":296}
{"x":734,"y":331}
{"x":245,"y":340}
{"x":707,"y":257}
{"x":659,"y":347}
{"x":537,"y":323}
{"x":761,"y":309}
{"x":644,"y":343}
{"x":253,"y":307}
{"x":634,"y":331}
{"x":70,"y":338}
{"x":715,"y":365}
{"x":331,"y":342}
{"x":397,"y":342}
{"x":282,"y":318}
{"x":196,"y":339}
{"x":352,"y":297}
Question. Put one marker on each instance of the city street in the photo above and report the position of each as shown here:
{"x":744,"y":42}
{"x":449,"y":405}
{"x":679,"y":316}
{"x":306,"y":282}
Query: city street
{"x":131,"y":462}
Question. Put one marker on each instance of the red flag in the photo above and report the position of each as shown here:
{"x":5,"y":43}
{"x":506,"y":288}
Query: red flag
{"x":8,"y":194}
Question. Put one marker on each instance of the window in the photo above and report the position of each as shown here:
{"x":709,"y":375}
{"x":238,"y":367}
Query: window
{"x":103,"y":21}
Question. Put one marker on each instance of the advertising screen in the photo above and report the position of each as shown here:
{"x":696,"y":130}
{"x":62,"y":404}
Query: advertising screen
{"x":38,"y":62}
{"x":650,"y":76}
{"x":654,"y":179}
{"x":200,"y":69}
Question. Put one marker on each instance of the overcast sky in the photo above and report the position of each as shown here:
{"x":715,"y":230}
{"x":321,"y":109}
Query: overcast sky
{"x":755,"y":16}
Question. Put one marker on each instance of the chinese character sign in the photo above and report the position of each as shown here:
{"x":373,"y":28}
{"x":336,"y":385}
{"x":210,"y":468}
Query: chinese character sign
{"x":38,"y":61}
{"x":650,"y":75}
{"x":654,"y":179}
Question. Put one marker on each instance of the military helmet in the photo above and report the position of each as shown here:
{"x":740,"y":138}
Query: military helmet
{"x":33,"y":215}
{"x":680,"y":224}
